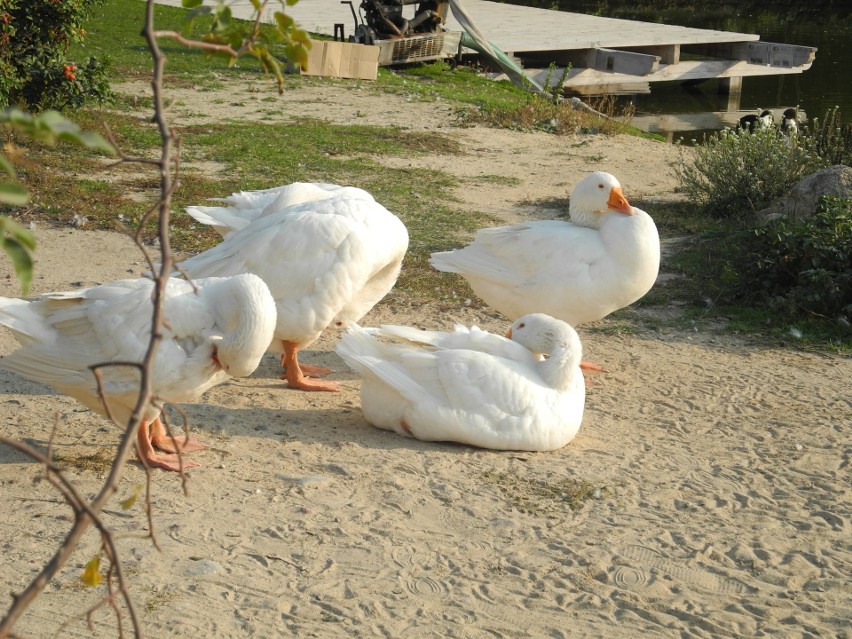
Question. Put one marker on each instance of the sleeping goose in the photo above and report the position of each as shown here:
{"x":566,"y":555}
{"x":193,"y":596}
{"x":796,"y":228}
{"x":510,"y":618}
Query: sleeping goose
{"x":473,"y":387}
{"x":604,"y":259}
{"x":327,"y":253}
{"x":218,"y":332}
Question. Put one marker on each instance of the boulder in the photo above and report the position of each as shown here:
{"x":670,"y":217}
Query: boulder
{"x":803,"y":199}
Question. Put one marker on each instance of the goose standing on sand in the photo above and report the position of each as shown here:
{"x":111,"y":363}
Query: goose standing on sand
{"x":217,"y":330}
{"x":604,"y":259}
{"x":328,"y":254}
{"x":471,"y":386}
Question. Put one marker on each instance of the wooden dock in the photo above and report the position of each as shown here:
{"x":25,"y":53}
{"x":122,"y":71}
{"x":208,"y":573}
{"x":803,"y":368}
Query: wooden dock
{"x":605,"y":55}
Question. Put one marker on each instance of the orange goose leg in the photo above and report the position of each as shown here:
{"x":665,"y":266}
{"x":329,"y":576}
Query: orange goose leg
{"x":161,"y":440}
{"x":150,"y":458}
{"x":297,"y":376}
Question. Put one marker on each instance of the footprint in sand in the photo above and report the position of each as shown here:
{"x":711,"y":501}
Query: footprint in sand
{"x":632,"y":577}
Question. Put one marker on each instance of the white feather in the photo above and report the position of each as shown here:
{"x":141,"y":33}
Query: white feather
{"x":577,"y":271}
{"x":328,"y":253}
{"x":471,"y":386}
{"x":63,"y":334}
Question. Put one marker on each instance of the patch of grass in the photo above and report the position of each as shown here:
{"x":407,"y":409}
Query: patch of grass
{"x":706,"y":263}
{"x":253,"y":156}
{"x":544,"y":497}
{"x":535,"y":112}
{"x":98,"y":460}
{"x":461,"y":87}
{"x":618,"y":323}
{"x":675,"y":219}
{"x":156,"y":599}
{"x":115,"y":32}
{"x":505,"y":180}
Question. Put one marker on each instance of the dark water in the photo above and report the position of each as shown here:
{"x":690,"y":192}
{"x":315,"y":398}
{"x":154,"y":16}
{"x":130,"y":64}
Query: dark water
{"x":824,"y":24}
{"x":827,"y":84}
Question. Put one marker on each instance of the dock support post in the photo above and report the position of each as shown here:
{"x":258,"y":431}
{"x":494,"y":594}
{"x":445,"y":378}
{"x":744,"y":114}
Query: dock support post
{"x":731,"y":85}
{"x":733,"y":88}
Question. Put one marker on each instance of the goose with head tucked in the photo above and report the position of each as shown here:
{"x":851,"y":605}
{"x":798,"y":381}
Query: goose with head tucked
{"x":328,"y":254}
{"x":521,"y":392}
{"x":605,"y":258}
{"x":212,"y":331}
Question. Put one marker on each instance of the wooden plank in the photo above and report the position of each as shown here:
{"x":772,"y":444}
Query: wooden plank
{"x":681,"y":72}
{"x":607,"y":60}
{"x":766,"y":53}
{"x":615,"y":61}
{"x":668,"y":53}
{"x":518,"y":29}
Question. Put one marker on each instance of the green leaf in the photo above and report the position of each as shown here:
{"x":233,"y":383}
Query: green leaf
{"x":17,"y":242}
{"x":191,"y":4}
{"x":91,"y":575}
{"x":23,"y":235}
{"x":13,"y":194}
{"x":128,"y":503}
{"x":199,"y":12}
{"x":283,"y":21}
{"x":50,"y":126}
{"x":95,"y":141}
{"x":21,"y":260}
{"x":6,"y":166}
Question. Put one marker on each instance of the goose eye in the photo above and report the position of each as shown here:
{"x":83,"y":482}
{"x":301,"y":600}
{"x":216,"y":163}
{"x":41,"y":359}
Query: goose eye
{"x":600,"y":186}
{"x":521,"y":325}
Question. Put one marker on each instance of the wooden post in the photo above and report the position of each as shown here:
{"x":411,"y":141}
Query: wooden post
{"x":733,"y":88}
{"x":731,"y":85}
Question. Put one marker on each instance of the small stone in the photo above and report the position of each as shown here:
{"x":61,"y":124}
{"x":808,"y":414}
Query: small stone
{"x":202,"y":567}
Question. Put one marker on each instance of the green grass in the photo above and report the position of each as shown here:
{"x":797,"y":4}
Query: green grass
{"x":704,"y":263}
{"x":115,"y":33}
{"x":544,"y":497}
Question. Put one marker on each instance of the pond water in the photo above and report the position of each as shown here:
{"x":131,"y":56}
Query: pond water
{"x":826,"y":25}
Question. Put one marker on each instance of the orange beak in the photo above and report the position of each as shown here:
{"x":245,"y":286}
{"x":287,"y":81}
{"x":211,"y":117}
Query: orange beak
{"x":618,"y":202}
{"x":509,"y":333}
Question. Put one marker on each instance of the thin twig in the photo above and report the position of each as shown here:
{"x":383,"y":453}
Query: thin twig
{"x":88,"y":513}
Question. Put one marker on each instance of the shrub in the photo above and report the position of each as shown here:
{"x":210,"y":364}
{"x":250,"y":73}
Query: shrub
{"x":832,"y":139}
{"x":802,"y":266}
{"x":35,"y":72}
{"x":739,"y":173}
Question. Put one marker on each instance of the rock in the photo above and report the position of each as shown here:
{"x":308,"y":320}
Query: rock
{"x":803,"y":199}
{"x":202,"y":567}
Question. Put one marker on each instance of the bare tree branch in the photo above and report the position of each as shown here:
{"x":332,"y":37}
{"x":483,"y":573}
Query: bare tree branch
{"x":87,"y":513}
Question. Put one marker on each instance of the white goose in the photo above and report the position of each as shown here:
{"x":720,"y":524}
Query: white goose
{"x":328,"y":259}
{"x":246,"y":206}
{"x":218,"y":332}
{"x":471,"y":386}
{"x":604,"y":259}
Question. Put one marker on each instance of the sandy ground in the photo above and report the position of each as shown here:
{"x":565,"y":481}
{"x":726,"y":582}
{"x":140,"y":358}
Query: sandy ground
{"x":718,"y":468}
